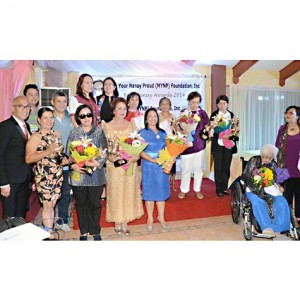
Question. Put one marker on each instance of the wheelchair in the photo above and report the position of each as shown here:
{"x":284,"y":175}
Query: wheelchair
{"x":241,"y":208}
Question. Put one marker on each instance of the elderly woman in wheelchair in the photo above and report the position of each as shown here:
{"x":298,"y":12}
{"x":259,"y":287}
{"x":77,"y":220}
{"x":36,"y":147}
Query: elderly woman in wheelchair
{"x":258,"y":198}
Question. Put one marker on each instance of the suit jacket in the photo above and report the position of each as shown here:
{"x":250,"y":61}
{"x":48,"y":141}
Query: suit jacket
{"x":13,"y":168}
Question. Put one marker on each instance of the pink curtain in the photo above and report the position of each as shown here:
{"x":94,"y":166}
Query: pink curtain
{"x":20,"y":71}
{"x":11,"y":80}
{"x":6,"y":91}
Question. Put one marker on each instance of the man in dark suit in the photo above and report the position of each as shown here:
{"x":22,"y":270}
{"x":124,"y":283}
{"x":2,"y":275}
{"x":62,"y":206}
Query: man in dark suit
{"x":15,"y":174}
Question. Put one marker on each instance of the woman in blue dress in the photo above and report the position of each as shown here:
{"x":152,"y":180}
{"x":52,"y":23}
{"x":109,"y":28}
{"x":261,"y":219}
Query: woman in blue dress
{"x":155,"y":183}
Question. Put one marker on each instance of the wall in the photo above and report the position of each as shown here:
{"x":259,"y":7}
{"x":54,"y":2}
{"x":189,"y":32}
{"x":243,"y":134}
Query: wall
{"x":258,"y":78}
{"x":264,"y":79}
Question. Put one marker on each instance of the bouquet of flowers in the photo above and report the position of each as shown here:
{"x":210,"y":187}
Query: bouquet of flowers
{"x":263,"y":177}
{"x":83,"y":150}
{"x":223,"y":127}
{"x":132,"y":144}
{"x":176,"y":144}
{"x":188,"y":122}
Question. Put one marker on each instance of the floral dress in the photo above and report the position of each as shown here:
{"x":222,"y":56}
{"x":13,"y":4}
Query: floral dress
{"x":48,"y":173}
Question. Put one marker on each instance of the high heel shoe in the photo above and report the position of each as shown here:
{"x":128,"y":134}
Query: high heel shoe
{"x":126,"y":231}
{"x":118,"y":229}
{"x":163,"y":225}
{"x":149,"y":227}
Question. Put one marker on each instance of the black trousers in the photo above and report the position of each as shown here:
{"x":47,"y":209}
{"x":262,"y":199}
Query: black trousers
{"x":291,"y":190}
{"x":16,"y":204}
{"x":88,"y":208}
{"x":222,"y":160}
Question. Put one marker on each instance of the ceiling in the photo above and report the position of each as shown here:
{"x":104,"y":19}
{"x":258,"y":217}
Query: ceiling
{"x":268,"y":65}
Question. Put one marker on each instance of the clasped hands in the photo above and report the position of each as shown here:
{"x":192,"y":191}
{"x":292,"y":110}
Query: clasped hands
{"x":88,"y":163}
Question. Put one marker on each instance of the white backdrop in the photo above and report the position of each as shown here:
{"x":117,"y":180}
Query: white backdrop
{"x":152,"y":89}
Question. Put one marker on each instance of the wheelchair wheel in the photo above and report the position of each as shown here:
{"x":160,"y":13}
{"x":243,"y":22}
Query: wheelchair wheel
{"x":247,"y":234}
{"x":236,"y":198}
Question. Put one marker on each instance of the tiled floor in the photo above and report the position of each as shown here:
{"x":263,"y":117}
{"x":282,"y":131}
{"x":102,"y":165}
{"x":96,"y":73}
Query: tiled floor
{"x":203,"y":229}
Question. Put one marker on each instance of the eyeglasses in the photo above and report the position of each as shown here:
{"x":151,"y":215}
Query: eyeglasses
{"x":289,"y":113}
{"x":22,"y":107}
{"x":83,"y":116}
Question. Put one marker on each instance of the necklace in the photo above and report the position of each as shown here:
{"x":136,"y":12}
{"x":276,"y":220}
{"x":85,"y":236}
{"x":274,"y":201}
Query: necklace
{"x":292,"y":129}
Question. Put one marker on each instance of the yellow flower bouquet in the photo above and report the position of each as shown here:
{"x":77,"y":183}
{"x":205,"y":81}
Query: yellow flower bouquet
{"x":175,"y":145}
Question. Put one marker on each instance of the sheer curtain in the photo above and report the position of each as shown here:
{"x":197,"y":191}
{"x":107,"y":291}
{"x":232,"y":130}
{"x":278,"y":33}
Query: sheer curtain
{"x":11,"y":81}
{"x":72,"y":82}
{"x":261,"y":112}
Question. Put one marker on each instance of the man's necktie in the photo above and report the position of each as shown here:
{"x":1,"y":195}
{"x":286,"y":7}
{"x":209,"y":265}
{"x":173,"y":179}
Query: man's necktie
{"x":25,"y":132}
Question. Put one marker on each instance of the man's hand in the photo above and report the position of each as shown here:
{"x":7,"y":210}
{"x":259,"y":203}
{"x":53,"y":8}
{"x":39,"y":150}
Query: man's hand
{"x":5,"y":191}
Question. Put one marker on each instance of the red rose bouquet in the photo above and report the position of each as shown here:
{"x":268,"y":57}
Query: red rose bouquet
{"x":83,"y":150}
{"x":132,"y":144}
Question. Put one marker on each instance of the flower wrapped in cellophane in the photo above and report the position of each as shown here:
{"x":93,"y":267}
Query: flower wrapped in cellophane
{"x":132,"y":144}
{"x":224,"y":127}
{"x":175,"y":145}
{"x":263,"y":177}
{"x":188,"y":122}
{"x":83,"y":150}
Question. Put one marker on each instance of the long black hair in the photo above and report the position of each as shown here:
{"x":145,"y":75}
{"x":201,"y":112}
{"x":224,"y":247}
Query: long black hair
{"x":132,"y":94}
{"x":145,"y":119}
{"x":116,"y":92}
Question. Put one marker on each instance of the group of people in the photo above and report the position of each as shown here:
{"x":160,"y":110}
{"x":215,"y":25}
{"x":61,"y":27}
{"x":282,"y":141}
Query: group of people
{"x":35,"y":154}
{"x":272,"y":208}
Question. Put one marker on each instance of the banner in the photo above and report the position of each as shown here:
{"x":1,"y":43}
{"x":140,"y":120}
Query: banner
{"x":152,"y":89}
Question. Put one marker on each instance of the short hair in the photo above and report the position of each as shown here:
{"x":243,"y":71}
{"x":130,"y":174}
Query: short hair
{"x":115,"y":102}
{"x":79,"y":108}
{"x":164,"y":98}
{"x":193,"y":95}
{"x":30,"y":86}
{"x":42,"y":110}
{"x":58,"y":94}
{"x":269,"y":149}
{"x":132,"y":94}
{"x":146,"y":116}
{"x":222,"y":97}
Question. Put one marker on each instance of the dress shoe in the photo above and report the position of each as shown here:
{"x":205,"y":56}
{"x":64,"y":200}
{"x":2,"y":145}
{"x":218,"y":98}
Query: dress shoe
{"x":220,"y":194}
{"x":199,"y":195}
{"x":118,"y":229}
{"x":97,"y":237}
{"x":83,"y":238}
{"x":181,"y":195}
{"x":126,"y":231}
{"x":268,"y":231}
{"x":163,"y":225}
{"x":225,"y":193}
{"x":149,"y":227}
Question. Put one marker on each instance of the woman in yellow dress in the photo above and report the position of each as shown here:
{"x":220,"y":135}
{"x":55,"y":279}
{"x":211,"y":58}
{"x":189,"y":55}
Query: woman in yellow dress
{"x":124,"y":201}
